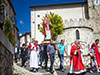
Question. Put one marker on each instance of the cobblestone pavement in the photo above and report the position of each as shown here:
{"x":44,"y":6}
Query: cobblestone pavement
{"x":67,"y":70}
{"x":26,"y":71}
{"x":17,"y":70}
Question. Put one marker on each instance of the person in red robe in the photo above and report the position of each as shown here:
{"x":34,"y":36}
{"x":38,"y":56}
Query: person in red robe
{"x":97,"y":51}
{"x":76,"y":64}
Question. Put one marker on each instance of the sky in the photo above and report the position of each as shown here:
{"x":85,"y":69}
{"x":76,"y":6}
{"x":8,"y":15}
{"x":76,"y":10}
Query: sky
{"x":23,"y":11}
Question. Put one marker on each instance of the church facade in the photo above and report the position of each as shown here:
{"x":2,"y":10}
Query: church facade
{"x":81,"y":21}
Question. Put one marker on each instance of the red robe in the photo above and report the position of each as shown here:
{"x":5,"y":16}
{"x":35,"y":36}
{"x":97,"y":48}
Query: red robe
{"x":97,"y":54}
{"x":77,"y":60}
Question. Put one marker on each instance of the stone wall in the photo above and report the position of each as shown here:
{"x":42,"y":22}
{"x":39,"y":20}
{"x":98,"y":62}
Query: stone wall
{"x":94,"y":14}
{"x":78,"y":22}
{"x":6,"y":55}
{"x":94,"y":10}
{"x":66,"y":62}
{"x":96,"y":28}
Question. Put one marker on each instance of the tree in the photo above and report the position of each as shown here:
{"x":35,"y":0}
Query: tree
{"x":7,"y":28}
{"x":57,"y":25}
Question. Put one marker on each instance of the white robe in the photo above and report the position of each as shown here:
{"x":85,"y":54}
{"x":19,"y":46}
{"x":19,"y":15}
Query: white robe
{"x":33,"y":57}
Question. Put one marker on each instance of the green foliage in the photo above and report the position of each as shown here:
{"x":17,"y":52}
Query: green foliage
{"x":8,"y":31}
{"x":57,"y":25}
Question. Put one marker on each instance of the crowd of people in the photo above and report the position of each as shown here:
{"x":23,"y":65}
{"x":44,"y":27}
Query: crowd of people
{"x":35,"y":54}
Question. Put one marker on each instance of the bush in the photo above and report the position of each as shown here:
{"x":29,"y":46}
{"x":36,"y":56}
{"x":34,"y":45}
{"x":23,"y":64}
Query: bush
{"x":7,"y":28}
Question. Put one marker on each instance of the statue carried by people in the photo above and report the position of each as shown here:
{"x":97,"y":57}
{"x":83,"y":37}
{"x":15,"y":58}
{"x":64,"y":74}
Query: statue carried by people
{"x":47,"y":28}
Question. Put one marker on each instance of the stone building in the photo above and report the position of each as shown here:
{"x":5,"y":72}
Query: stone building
{"x":8,"y":12}
{"x":25,"y":38}
{"x":64,"y":10}
{"x":85,"y":30}
{"x":81,"y":21}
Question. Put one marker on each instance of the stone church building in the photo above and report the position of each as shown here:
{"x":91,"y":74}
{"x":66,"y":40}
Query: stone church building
{"x":81,"y":20}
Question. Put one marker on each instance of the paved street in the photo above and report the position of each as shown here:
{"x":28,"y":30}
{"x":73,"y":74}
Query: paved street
{"x":42,"y":71}
{"x":67,"y":70}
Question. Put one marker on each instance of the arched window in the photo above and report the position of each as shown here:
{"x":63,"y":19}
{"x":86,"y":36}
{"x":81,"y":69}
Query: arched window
{"x":38,"y":26}
{"x":77,"y":35}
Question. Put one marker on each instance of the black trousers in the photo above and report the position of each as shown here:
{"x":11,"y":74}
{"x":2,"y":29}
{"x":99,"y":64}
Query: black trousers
{"x":23,"y":61}
{"x":46,"y":60}
{"x":44,"y":57}
{"x":16,"y":56}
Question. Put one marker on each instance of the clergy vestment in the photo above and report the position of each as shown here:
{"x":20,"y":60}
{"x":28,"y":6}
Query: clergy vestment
{"x":34,"y":56}
{"x":76,"y":64}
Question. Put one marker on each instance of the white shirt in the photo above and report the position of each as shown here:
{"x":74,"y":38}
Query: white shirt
{"x":15,"y":50}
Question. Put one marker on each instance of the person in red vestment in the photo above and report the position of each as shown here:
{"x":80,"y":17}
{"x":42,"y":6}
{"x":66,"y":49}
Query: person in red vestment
{"x":97,"y":51}
{"x":76,"y":64}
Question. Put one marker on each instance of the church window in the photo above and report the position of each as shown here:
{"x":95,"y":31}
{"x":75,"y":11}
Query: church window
{"x":77,"y":35}
{"x":38,"y":26}
{"x":46,"y":15}
{"x":38,"y":15}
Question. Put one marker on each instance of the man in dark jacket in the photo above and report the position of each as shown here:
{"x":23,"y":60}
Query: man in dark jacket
{"x":23,"y":55}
